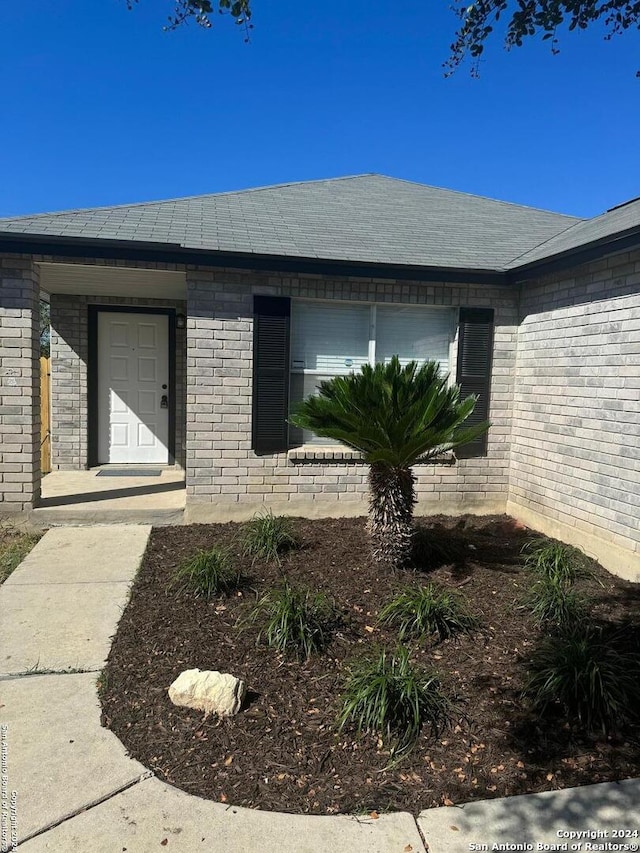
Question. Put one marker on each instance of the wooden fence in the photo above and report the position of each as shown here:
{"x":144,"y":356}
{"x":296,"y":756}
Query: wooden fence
{"x":45,"y":415}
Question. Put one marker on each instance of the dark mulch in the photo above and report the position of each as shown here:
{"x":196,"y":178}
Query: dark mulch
{"x":283,"y":751}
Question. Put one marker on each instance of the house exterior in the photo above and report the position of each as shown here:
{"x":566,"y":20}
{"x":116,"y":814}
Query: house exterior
{"x":183,"y":331}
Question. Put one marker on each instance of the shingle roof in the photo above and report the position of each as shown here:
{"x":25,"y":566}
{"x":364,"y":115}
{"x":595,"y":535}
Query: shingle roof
{"x":615,"y":222}
{"x":366,"y":219}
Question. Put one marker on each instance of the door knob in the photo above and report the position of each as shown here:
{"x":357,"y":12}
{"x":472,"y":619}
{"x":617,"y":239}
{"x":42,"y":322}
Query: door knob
{"x":164,"y":402}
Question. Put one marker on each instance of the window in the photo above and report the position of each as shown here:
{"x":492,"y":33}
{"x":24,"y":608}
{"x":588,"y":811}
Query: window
{"x":330,"y":338}
{"x":335,"y":339}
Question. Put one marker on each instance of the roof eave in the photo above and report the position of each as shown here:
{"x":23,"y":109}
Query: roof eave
{"x":137,"y":250}
{"x":596,"y":249}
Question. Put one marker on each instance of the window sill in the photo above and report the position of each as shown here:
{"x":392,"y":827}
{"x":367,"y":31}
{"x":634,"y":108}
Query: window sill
{"x":317,"y":453}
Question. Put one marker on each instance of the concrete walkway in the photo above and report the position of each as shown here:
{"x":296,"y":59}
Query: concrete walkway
{"x":78,"y":792}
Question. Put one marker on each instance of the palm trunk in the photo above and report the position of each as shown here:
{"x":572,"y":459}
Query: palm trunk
{"x":391,"y":514}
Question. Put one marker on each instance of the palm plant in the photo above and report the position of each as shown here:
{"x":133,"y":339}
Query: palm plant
{"x":396,"y":417}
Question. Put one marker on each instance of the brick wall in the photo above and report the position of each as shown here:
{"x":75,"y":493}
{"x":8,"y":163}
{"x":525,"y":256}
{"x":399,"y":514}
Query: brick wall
{"x":221,"y":467}
{"x":19,"y":383}
{"x":571,"y":456}
{"x":69,"y":352}
{"x":576,"y":429}
{"x":68,"y":382}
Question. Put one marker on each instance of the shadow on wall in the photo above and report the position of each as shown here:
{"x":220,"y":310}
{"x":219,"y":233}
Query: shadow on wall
{"x":577,"y":286}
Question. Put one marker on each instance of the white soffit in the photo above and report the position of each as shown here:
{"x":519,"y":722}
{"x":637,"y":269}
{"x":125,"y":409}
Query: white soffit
{"x":89,"y":280}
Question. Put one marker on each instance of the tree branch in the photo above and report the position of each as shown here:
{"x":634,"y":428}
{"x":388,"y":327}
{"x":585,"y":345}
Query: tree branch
{"x":533,"y":17}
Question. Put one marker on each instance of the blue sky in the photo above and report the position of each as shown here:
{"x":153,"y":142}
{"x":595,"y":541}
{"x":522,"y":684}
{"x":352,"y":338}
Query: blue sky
{"x":105,"y":108}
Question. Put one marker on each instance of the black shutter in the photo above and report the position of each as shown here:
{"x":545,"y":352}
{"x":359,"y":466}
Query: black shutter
{"x":475,"y":344}
{"x":271,"y":315}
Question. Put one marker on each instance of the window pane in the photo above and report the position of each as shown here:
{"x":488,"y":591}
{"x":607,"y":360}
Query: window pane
{"x":413,"y":333}
{"x":332,"y":339}
{"x":302,"y":386}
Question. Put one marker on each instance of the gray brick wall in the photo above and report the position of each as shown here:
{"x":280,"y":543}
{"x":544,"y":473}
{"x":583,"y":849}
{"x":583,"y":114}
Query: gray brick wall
{"x":576,"y":427}
{"x":19,"y":384}
{"x":222,"y":468}
{"x":565,"y":396}
{"x":68,"y":383}
{"x":69,"y":351}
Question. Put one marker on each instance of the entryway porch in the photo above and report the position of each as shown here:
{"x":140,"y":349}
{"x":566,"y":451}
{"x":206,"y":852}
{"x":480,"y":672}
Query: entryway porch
{"x":146,"y":378}
{"x":112,"y":495}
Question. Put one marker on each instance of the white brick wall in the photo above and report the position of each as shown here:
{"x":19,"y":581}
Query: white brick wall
{"x":575,"y":454}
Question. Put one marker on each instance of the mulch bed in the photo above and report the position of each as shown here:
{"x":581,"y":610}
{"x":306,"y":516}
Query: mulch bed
{"x":283,"y":751}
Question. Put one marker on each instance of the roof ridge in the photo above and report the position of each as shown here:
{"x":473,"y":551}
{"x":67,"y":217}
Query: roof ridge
{"x":267,"y":187}
{"x":188,"y":197}
{"x":485,"y":198}
{"x":612,"y":212}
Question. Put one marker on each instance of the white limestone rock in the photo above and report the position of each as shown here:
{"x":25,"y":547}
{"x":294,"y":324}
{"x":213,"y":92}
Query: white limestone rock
{"x":209,"y":691}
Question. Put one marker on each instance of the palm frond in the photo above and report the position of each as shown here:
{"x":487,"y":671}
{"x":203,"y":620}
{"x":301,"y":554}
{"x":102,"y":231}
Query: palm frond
{"x":394,"y":415}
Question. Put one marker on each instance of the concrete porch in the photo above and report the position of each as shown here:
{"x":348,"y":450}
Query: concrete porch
{"x":75,"y":289}
{"x":93,"y":497}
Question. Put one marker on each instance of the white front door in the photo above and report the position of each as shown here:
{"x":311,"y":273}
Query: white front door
{"x":133,"y":387}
